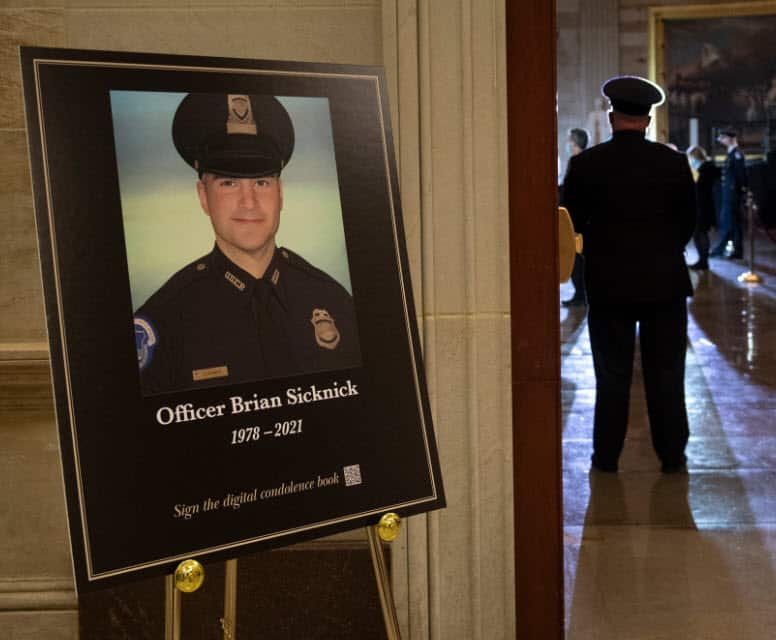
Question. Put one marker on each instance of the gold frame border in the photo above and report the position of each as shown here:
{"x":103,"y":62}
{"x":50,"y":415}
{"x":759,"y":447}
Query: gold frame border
{"x":656,"y":57}
{"x":37,"y":63}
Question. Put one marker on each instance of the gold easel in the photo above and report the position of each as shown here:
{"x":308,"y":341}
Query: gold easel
{"x":387,"y":530}
{"x":190,"y":574}
{"x":188,"y":577}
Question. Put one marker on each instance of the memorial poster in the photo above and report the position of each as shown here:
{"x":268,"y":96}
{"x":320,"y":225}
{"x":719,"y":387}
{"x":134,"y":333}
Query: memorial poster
{"x":234,"y":351}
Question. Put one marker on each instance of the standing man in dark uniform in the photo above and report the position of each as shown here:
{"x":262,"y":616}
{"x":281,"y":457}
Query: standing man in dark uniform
{"x":634,"y":202}
{"x":577,"y":143}
{"x":734,"y":183}
{"x":248,"y":310}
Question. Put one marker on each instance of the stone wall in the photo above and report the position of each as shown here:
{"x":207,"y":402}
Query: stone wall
{"x":37,"y":599}
{"x":452,"y":570}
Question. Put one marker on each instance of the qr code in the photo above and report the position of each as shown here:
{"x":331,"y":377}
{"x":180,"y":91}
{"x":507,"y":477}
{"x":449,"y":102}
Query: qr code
{"x":352,"y":475}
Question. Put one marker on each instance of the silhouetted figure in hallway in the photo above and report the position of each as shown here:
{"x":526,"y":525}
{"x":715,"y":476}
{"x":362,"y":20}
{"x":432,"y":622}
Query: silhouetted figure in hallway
{"x":634,"y":202}
{"x":705,"y":185}
{"x":577,"y":143}
{"x":734,"y":183}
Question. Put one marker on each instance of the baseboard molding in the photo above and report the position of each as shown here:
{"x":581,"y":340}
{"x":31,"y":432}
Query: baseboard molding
{"x":41,"y":594}
{"x":25,"y":377}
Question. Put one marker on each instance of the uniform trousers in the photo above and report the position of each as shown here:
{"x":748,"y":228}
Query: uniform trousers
{"x":578,"y":278}
{"x":662,"y":330}
{"x":702,"y":244}
{"x":730,"y":226}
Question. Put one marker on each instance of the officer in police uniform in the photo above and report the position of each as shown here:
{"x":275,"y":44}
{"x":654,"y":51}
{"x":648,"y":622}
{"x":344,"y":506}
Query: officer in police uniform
{"x":733,"y":190}
{"x":249,"y":309}
{"x":633,"y":200}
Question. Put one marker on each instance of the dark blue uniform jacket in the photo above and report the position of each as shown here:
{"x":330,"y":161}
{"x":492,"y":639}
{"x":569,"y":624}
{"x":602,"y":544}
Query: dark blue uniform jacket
{"x":633,"y":201}
{"x":734,"y":180}
{"x":214,"y":324}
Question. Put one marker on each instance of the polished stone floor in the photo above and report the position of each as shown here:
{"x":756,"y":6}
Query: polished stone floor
{"x":689,"y":556}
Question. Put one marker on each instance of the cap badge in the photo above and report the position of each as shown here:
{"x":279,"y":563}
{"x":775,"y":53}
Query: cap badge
{"x":234,"y":280}
{"x":240,"y":119}
{"x":326,"y":333}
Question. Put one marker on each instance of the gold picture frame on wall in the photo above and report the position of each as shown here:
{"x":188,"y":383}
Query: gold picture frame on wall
{"x":713,"y":62}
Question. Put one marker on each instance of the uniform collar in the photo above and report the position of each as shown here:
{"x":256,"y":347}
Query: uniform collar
{"x":240,"y":281}
{"x":629,"y":134}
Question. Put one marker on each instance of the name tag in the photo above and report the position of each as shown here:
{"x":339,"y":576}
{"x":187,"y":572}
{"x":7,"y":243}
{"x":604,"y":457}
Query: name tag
{"x":209,"y":374}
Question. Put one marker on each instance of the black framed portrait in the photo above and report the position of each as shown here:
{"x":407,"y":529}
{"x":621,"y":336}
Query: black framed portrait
{"x":234,"y":351}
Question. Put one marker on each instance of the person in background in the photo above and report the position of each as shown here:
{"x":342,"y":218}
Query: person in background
{"x":598,"y":122}
{"x":734,"y":184}
{"x":708,"y":175}
{"x":576,"y":143}
{"x":634,"y":202}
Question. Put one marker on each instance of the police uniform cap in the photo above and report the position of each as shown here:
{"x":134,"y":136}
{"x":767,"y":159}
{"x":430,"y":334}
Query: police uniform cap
{"x":727,"y":131}
{"x":632,"y":95}
{"x":236,"y":135}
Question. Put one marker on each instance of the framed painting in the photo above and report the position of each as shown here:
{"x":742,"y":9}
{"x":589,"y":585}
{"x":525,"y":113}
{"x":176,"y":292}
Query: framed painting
{"x":716,"y":64}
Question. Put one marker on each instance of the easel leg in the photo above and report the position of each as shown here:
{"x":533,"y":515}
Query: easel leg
{"x":229,"y":621}
{"x":172,"y":610}
{"x":383,"y":585}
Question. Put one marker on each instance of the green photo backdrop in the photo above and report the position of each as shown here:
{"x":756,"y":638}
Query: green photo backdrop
{"x":164,"y":225}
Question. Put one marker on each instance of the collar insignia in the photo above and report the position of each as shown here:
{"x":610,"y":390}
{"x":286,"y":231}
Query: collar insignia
{"x":234,"y":280}
{"x":275,"y":276}
{"x":326,"y":333}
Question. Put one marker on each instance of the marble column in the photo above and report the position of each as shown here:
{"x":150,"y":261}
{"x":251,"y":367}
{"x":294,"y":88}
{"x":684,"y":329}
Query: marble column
{"x":598,"y":48}
{"x":445,"y":63}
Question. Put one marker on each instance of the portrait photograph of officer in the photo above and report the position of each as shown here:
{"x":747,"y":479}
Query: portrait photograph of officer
{"x":235,"y":241}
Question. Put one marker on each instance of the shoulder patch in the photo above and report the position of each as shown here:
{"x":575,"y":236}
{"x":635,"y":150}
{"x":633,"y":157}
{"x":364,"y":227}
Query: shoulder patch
{"x":145,"y":341}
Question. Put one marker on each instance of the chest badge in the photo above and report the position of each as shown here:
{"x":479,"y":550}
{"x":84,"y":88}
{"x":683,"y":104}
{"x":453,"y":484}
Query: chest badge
{"x":326,"y":333}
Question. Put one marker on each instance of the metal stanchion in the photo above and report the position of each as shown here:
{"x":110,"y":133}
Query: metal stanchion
{"x":750,"y":277}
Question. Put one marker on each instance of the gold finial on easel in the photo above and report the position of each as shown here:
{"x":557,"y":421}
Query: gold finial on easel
{"x":389,"y":527}
{"x":189,"y":576}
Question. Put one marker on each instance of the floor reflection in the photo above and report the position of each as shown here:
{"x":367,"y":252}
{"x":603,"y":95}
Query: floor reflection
{"x":686,"y":556}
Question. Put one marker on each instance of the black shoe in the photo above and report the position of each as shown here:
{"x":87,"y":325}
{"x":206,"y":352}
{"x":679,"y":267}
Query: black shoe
{"x":574,"y":302}
{"x":597,"y":465}
{"x":699,"y":266}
